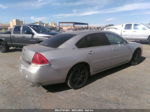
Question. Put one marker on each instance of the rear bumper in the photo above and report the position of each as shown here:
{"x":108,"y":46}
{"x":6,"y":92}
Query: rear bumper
{"x":42,"y":75}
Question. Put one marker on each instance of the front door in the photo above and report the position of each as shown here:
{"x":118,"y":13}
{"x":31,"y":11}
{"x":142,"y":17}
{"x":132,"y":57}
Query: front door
{"x":101,"y":57}
{"x":121,"y":52}
{"x":28,"y":36}
{"x":140,"y":32}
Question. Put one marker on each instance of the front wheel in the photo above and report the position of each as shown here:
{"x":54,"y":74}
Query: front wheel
{"x":78,"y":76}
{"x":3,"y":47}
{"x":136,"y":57}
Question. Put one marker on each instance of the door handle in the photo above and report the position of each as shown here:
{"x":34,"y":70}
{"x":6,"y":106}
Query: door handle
{"x":32,"y":40}
{"x":115,"y":48}
{"x":90,"y":52}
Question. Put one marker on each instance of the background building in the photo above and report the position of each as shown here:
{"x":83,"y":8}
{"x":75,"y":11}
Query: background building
{"x":53,"y":24}
{"x":15,"y":22}
{"x":39,"y":23}
{"x":4,"y":27}
{"x":73,"y":26}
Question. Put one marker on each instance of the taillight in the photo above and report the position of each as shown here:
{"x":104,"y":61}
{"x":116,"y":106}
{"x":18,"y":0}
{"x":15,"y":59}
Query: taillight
{"x":39,"y":59}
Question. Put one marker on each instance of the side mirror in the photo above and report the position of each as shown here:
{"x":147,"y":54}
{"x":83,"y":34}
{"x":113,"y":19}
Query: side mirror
{"x":32,"y":33}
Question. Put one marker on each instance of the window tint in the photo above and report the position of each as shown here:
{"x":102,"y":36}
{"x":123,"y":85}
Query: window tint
{"x":83,"y":43}
{"x":26,"y":30}
{"x":97,"y":39}
{"x":139,"y":27}
{"x":40,"y":29}
{"x":17,"y":29}
{"x":128,"y":27}
{"x":115,"y":39}
{"x":58,"y":40}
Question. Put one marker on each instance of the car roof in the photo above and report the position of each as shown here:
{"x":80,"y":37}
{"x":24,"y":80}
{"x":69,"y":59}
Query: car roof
{"x":84,"y":32}
{"x":33,"y":25}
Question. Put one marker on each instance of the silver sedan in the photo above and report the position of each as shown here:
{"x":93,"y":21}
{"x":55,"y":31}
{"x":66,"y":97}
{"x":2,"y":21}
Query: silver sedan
{"x":73,"y":57}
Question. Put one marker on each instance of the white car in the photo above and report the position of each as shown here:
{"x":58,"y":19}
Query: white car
{"x":131,"y":31}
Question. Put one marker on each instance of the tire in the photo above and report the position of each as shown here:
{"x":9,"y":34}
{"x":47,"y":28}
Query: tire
{"x":78,"y":76}
{"x":136,"y":57}
{"x":3,"y":47}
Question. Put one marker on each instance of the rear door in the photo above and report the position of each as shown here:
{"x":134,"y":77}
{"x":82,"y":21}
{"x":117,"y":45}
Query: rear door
{"x":22,"y":35}
{"x":98,"y":51}
{"x":16,"y":36}
{"x":121,"y":52}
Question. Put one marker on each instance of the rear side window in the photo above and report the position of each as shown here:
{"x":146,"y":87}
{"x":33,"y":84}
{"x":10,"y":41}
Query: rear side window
{"x":128,"y":27}
{"x":92,"y":40}
{"x":17,"y":29}
{"x":58,"y":40}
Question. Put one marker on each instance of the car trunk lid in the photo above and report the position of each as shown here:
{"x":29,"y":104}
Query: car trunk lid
{"x":29,"y":51}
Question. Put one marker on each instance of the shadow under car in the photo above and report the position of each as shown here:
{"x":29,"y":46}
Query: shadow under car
{"x":64,"y":87}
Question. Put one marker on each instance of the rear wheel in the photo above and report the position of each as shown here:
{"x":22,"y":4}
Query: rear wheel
{"x":78,"y":76}
{"x":136,"y":57}
{"x":3,"y":47}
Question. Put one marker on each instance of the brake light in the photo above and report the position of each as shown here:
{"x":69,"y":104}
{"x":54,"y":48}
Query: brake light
{"x":39,"y":59}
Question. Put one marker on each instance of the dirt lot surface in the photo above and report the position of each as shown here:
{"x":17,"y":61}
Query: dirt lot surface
{"x":122,"y":87}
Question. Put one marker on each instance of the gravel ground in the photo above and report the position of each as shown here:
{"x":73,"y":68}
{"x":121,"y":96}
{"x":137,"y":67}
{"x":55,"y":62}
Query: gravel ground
{"x":125,"y":87}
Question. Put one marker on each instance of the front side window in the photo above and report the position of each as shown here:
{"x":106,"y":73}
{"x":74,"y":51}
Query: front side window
{"x":57,"y":40}
{"x":17,"y":29}
{"x":115,"y":39}
{"x":26,"y":30}
{"x":139,"y":27}
{"x":128,"y":27}
{"x":40,"y":29}
{"x":92,"y":40}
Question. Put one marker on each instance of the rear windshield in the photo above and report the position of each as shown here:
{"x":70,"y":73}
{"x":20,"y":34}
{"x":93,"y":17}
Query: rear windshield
{"x":57,"y":40}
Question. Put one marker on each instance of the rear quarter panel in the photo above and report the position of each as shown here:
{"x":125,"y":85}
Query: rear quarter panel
{"x":63,"y":60}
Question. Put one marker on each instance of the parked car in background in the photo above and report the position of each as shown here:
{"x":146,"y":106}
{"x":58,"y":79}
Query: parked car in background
{"x":24,"y":35}
{"x":42,"y":31}
{"x":131,"y":31}
{"x":74,"y":56}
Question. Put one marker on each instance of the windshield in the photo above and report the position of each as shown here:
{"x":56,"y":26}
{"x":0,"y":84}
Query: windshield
{"x":58,"y":40}
{"x":40,"y":29}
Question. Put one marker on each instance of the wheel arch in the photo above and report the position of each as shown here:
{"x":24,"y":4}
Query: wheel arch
{"x":138,"y":48}
{"x":2,"y":40}
{"x":83,"y":63}
{"x":132,"y":63}
{"x":4,"y":45}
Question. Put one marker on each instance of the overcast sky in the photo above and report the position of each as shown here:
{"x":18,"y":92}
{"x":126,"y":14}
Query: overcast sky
{"x":96,"y":12}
